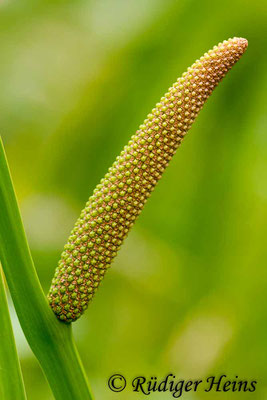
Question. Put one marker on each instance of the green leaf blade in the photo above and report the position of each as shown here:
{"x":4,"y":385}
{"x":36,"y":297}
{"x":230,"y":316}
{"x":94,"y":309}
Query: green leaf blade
{"x":11,"y":381}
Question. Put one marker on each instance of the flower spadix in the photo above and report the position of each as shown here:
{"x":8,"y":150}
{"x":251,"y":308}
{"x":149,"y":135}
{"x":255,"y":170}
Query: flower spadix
{"x":121,"y":195}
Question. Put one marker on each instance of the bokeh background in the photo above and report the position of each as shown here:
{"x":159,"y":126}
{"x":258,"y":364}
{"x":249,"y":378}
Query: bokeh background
{"x":187,"y":293}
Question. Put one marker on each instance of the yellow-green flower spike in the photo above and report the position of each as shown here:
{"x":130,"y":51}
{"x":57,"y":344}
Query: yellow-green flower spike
{"x":119,"y":198}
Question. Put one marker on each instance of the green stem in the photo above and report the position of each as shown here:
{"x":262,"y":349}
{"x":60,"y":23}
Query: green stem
{"x":11,"y":381}
{"x":50,"y":339}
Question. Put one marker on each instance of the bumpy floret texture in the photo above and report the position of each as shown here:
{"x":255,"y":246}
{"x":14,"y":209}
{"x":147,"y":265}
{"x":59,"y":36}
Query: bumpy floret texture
{"x":121,"y":195}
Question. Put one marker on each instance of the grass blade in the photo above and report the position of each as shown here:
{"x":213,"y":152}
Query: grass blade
{"x":11,"y":381}
{"x":50,"y":340}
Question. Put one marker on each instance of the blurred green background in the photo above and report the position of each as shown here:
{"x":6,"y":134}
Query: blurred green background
{"x":187,"y":293}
